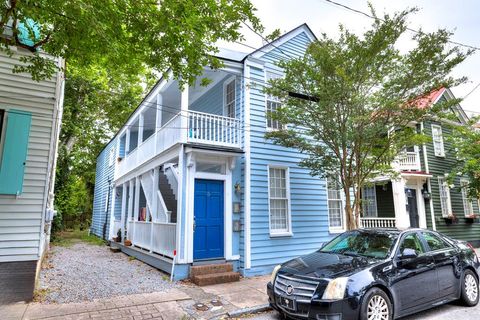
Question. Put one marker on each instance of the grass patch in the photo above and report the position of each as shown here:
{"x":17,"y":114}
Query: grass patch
{"x":131,"y":258}
{"x":39,"y":295}
{"x":68,"y":238}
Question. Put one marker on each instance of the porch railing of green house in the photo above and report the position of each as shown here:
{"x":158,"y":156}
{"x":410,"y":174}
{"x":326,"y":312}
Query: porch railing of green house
{"x":409,"y":161}
{"x":377,"y":222}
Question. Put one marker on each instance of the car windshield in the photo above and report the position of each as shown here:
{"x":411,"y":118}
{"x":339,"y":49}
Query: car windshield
{"x":360,"y":243}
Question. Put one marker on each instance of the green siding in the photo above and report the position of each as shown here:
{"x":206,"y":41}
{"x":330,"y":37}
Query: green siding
{"x":14,"y":152}
{"x":438,"y":167}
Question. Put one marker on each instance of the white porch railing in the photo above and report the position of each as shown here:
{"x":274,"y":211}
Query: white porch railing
{"x":409,"y":161}
{"x":164,"y":235}
{"x":158,"y":238}
{"x":213,"y":129}
{"x":377,"y":222}
{"x":201,"y":128}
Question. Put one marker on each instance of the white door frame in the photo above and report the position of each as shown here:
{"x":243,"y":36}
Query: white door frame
{"x":417,"y":185}
{"x":192,"y":174}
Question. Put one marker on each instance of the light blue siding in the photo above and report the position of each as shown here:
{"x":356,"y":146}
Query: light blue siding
{"x":308,"y":198}
{"x":104,"y":175}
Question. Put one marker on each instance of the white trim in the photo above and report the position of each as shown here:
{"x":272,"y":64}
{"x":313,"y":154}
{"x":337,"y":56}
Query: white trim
{"x":448,"y":199}
{"x":432,"y":212}
{"x":466,"y":201}
{"x":343,"y":214}
{"x":181,"y":251}
{"x":289,"y":231}
{"x":224,"y":100}
{"x":247,"y":177}
{"x":441,"y":152}
{"x":227,"y":204}
{"x":282,"y":39}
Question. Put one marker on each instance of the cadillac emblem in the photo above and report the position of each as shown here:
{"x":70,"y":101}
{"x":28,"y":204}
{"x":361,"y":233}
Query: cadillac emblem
{"x":289,"y":290}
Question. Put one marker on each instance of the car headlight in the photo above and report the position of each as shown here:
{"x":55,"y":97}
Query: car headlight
{"x":274,"y":273}
{"x":335,"y":289}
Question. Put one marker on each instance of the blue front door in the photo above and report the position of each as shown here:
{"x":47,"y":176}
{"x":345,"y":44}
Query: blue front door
{"x":208,"y":212}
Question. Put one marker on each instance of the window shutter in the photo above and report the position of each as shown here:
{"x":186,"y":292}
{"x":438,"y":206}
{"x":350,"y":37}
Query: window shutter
{"x":14,"y":152}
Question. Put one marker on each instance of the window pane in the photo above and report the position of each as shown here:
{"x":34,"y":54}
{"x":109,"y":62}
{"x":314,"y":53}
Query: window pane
{"x":412,"y":242}
{"x":434,"y":242}
{"x":278,"y":200}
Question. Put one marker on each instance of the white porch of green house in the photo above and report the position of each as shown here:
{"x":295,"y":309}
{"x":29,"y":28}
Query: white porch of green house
{"x":161,"y":151}
{"x":395,"y":203}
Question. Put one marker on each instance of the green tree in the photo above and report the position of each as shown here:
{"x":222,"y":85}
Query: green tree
{"x":466,"y":143}
{"x":126,"y":34}
{"x":347,"y":103}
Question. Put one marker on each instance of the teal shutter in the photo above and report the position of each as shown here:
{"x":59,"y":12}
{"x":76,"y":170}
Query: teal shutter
{"x":14,"y":152}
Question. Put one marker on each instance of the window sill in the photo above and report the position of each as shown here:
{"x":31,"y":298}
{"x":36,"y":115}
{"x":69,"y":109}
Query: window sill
{"x":281,"y":234}
{"x":440,"y":155}
{"x":335,"y":230}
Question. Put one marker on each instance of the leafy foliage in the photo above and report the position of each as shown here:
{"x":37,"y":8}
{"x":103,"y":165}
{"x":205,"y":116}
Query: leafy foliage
{"x":466,"y":142}
{"x":180,"y":35}
{"x":358,"y":97}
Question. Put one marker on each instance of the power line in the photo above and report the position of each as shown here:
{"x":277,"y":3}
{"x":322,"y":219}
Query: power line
{"x":408,"y":28}
{"x":471,"y":91}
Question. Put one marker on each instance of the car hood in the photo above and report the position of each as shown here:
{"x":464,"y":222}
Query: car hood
{"x":326,"y":265}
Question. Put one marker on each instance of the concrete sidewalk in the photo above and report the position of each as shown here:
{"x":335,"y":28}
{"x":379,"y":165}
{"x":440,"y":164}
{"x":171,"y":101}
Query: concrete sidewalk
{"x":187,"y":301}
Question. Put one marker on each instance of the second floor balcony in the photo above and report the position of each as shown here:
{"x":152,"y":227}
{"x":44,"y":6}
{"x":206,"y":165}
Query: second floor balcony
{"x":197,"y":115}
{"x":409,"y":161}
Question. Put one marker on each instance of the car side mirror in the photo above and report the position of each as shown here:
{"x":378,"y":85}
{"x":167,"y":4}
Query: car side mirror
{"x":408,"y":253}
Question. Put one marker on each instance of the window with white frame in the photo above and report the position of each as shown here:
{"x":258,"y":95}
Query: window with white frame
{"x":229,"y":107}
{"x":111,"y":157}
{"x":369,"y":201}
{"x":467,"y":201}
{"x":437,"y":137}
{"x":335,"y":205}
{"x":272,"y":105}
{"x":279,"y":194}
{"x":444,"y":191}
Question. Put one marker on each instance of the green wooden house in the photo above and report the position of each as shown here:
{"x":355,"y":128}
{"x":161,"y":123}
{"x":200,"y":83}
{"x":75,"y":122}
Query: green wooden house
{"x":421,"y":197}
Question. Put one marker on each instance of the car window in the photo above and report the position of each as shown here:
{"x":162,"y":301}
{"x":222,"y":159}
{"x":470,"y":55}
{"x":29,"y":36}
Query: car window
{"x":412,"y":241}
{"x":360,"y":243}
{"x":434,"y":242}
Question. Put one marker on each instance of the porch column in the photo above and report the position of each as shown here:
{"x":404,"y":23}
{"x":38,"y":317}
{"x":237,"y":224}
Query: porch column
{"x":184,"y":113}
{"x":154,"y":214}
{"x":136,"y":205}
{"x":159,"y":111}
{"x":124,"y":210}
{"x":400,"y":204}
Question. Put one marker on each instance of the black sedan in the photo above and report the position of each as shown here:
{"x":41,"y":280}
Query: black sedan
{"x":376,"y":274}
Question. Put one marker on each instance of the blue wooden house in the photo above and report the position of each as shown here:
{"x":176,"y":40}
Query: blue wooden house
{"x":191,"y":178}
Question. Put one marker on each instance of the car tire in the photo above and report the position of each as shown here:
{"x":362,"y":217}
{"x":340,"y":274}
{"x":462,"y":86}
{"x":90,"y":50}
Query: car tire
{"x":375,"y":304}
{"x":470,"y":292}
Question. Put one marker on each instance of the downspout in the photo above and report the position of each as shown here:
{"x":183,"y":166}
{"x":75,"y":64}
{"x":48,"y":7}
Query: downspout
{"x":429,"y":184}
{"x":108,"y":208}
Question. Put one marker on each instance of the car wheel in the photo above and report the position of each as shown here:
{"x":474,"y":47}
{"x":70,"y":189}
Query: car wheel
{"x":469,"y":289}
{"x":376,"y":306}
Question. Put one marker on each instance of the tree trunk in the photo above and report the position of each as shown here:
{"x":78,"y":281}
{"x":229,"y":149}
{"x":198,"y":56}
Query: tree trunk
{"x":351,"y":222}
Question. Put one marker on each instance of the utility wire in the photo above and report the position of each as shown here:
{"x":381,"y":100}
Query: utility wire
{"x":408,"y":28}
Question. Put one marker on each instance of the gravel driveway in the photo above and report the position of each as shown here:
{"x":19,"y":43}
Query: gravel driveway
{"x":85,"y":272}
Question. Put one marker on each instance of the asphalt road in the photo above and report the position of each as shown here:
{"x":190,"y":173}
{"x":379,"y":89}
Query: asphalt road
{"x":451,"y":311}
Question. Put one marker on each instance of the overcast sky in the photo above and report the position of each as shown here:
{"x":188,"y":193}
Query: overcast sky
{"x":461,"y":16}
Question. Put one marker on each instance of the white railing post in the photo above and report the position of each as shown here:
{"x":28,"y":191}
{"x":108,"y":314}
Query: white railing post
{"x":136,"y":207}
{"x":124,"y":210}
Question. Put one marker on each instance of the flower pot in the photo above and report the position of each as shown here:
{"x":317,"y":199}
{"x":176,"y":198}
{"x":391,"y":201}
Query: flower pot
{"x":127,"y":243}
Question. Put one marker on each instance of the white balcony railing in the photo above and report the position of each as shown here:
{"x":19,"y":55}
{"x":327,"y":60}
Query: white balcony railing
{"x":213,"y":129}
{"x":187,"y":127}
{"x":377,"y":222}
{"x":156,"y":237}
{"x":409,"y":161}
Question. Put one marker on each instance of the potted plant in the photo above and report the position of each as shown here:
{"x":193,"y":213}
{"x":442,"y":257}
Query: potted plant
{"x":127,"y":242}
{"x":470,"y":218}
{"x":451,"y":218}
{"x":118,"y":238}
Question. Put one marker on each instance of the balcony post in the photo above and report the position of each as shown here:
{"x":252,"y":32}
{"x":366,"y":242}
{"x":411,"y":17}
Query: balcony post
{"x":130,"y":207}
{"x":184,"y":114}
{"x":124,"y":209}
{"x":136,"y":205}
{"x":400,"y":204}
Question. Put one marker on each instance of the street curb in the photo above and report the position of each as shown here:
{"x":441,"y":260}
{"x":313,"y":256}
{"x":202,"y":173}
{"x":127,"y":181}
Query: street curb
{"x":240,"y":312}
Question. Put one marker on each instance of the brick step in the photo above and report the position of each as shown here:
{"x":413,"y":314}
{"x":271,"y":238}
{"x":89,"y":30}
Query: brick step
{"x":210,"y":269}
{"x":216,"y":278}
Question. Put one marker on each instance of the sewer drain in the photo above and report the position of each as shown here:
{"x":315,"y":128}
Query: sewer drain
{"x":216,"y":303}
{"x":201,"y":307}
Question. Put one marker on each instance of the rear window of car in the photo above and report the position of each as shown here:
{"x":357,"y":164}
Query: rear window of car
{"x":435,"y":242}
{"x":359,"y":243}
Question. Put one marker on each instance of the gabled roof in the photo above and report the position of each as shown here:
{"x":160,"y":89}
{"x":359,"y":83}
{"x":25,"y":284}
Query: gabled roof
{"x":284,"y":38}
{"x":434,"y":96}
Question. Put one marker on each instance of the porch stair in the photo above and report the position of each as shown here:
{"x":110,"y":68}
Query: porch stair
{"x":168,"y":195}
{"x":204,"y":275}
